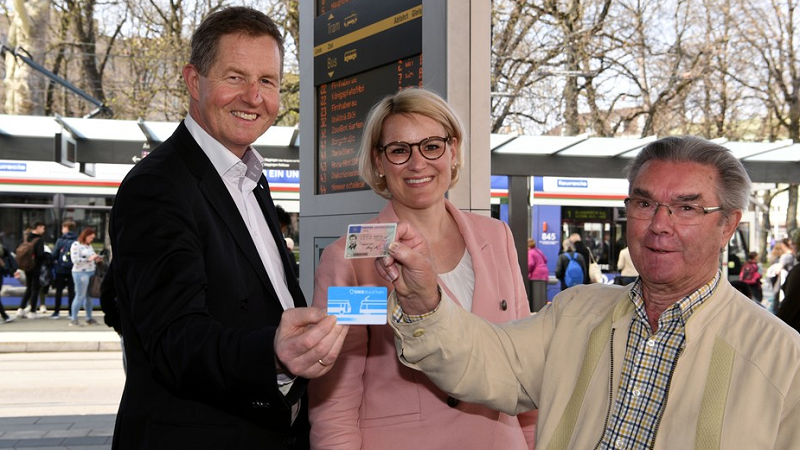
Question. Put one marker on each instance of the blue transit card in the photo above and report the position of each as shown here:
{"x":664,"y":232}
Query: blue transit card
{"x":358,"y":305}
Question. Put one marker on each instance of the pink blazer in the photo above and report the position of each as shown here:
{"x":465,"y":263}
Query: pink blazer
{"x":371,"y":401}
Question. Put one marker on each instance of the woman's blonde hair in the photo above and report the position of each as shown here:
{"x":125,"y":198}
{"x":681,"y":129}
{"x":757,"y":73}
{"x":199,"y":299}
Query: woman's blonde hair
{"x":408,"y":101}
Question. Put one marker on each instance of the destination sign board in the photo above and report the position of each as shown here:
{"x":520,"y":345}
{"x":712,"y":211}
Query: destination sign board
{"x":342,"y":107}
{"x":363,"y":50}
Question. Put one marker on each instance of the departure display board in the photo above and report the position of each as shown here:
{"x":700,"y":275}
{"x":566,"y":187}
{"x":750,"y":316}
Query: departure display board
{"x":363,"y":51}
{"x":585,"y":213}
{"x":343,"y":106}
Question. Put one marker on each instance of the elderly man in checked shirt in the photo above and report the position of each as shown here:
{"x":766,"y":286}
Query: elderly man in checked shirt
{"x":679,"y":359}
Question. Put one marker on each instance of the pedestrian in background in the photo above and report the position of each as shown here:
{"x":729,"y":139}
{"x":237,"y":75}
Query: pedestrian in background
{"x":579,"y":246}
{"x":84,"y":264}
{"x":751,"y":276}
{"x":789,"y":310}
{"x":627,"y":272}
{"x":538,"y":275}
{"x":563,"y":265}
{"x":27,"y":306}
{"x":285,"y":221}
{"x":63,"y":267}
{"x":45,"y":279}
{"x":7,"y":268}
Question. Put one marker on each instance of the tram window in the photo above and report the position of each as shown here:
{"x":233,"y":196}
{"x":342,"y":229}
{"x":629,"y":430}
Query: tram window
{"x":18,"y":211}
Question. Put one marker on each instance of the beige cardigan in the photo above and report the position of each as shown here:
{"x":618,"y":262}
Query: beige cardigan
{"x":536,"y":362}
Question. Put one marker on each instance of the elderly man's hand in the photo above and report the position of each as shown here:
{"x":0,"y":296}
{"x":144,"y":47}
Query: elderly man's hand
{"x":410,"y":268}
{"x":308,"y":341}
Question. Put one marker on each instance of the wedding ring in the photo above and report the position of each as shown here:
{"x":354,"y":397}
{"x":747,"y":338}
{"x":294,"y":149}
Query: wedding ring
{"x":323,"y":364}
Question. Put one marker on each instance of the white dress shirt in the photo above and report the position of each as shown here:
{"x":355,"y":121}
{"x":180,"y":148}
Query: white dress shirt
{"x":241,"y":176}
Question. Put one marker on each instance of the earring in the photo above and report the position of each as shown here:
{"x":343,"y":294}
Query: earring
{"x":381,"y":175}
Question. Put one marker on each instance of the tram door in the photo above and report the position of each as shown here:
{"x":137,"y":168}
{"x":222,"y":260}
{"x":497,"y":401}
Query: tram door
{"x":600,"y":231}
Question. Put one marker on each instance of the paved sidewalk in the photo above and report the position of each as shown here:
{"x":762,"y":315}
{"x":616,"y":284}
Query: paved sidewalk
{"x":47,"y":335}
{"x":76,"y":432}
{"x":80,"y":428}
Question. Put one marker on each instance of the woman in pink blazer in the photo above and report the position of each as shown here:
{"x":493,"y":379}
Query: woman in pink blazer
{"x":411,"y":155}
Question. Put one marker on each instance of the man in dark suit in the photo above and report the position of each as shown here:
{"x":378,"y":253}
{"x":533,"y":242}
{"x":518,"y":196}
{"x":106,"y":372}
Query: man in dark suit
{"x":218,"y":340}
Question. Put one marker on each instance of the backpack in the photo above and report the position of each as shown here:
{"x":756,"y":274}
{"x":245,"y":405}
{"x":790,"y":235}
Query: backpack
{"x":26,"y":258}
{"x":749,"y":274}
{"x":574,"y":273}
{"x":63,"y":257}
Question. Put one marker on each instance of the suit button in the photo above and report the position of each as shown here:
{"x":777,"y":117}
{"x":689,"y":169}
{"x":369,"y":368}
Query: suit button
{"x":419,"y":332}
{"x":452,"y":402}
{"x":504,"y":305}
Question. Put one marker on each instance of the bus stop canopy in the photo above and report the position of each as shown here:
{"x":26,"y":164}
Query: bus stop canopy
{"x":586,"y":156}
{"x":33,"y":138}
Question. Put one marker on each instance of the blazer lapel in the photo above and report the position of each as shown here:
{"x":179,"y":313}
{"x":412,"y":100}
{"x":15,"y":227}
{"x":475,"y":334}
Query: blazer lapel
{"x":486,"y":275}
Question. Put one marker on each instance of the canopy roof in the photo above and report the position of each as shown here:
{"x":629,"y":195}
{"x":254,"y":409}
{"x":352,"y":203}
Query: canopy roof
{"x":33,"y":138}
{"x":583,"y":155}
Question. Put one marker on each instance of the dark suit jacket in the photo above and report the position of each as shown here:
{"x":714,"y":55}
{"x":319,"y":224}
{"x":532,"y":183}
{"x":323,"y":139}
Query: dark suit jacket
{"x":789,"y":311}
{"x":199,"y":313}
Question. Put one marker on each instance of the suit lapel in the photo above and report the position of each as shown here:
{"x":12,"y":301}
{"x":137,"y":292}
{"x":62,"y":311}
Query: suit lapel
{"x":213,"y":188}
{"x":268,"y":208}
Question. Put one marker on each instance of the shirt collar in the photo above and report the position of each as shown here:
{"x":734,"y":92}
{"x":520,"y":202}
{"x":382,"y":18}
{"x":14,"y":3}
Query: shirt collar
{"x":681,"y":310}
{"x":245,"y":171}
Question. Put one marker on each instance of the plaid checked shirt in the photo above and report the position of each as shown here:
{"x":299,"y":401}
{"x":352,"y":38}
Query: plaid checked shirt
{"x":650,"y":360}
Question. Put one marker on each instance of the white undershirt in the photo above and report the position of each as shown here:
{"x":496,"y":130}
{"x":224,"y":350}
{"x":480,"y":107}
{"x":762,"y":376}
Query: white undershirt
{"x":461,"y":281}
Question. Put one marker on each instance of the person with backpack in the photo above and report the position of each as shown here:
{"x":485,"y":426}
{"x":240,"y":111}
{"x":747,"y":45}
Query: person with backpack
{"x":63,"y":267}
{"x":29,"y":256}
{"x":751,"y":276}
{"x":570,"y":267}
{"x":584,"y":251}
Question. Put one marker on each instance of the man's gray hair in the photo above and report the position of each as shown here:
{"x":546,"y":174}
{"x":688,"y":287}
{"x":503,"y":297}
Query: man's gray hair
{"x":733,"y":183}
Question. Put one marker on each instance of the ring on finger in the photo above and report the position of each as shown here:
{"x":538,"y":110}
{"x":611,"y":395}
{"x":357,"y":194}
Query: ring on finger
{"x":323,"y":364}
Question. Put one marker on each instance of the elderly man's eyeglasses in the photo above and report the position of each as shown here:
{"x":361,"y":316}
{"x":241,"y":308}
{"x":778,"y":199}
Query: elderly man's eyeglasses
{"x":680,"y":213}
{"x":431,"y":148}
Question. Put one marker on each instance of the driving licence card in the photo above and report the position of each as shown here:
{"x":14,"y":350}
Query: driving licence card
{"x":369,"y":240}
{"x":358,"y":305}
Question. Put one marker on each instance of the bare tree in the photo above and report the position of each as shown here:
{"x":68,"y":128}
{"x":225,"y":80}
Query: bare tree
{"x":23,"y":86}
{"x":771,"y":31}
{"x":521,"y":48}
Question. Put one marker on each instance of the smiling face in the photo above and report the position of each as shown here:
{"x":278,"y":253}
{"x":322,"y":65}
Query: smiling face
{"x":677,"y":259}
{"x":239,"y":97}
{"x":419,"y":183}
